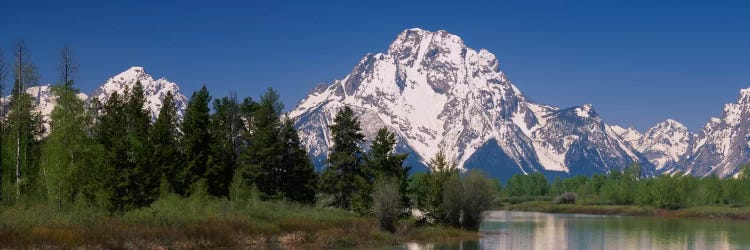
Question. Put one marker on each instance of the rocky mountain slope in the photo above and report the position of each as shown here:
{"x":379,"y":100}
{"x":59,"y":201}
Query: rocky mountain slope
{"x":434,"y":91}
{"x":723,"y":145}
{"x":664,"y":145}
{"x":154,"y":90}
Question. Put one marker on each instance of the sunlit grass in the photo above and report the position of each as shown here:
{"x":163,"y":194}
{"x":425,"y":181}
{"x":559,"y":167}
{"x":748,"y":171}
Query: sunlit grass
{"x":203,"y":222}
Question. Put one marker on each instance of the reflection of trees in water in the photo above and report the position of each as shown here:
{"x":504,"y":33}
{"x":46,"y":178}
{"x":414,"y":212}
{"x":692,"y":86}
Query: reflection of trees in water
{"x":525,"y":230}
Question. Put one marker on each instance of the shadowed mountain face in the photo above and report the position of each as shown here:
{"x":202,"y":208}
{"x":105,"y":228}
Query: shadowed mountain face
{"x":723,"y":145}
{"x":434,"y":91}
{"x":720,"y":148}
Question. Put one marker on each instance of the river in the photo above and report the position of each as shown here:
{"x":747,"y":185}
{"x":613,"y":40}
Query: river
{"x":532,"y":230}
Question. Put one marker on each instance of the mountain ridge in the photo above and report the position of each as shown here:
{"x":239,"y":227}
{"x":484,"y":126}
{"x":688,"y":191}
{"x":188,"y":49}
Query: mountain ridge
{"x":434,"y":91}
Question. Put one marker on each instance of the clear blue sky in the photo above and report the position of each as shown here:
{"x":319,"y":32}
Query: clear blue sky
{"x":637,"y":62}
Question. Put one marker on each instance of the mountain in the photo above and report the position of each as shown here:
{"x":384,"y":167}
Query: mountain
{"x":723,"y":144}
{"x":630,"y":135}
{"x":664,"y":145}
{"x":720,"y":148}
{"x":154,"y":90}
{"x":433,"y":91}
{"x":44,"y":101}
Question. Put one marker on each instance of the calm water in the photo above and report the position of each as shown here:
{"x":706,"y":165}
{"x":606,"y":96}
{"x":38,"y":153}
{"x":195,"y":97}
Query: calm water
{"x":530,"y":230}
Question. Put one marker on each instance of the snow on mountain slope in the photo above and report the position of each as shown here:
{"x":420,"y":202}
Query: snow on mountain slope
{"x":434,"y":92}
{"x":629,"y":135}
{"x":154,"y":89}
{"x":44,"y":101}
{"x":664,"y":145}
{"x":724,"y":143}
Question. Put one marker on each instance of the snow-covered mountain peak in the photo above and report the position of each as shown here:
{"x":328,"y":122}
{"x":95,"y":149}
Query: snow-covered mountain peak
{"x":669,"y":125}
{"x":586,"y":111}
{"x":44,"y":100}
{"x":629,"y":135}
{"x":744,"y":97}
{"x":664,"y":144}
{"x":135,"y":72}
{"x":723,"y":145}
{"x":154,"y":89}
{"x":417,"y":42}
{"x":434,"y":91}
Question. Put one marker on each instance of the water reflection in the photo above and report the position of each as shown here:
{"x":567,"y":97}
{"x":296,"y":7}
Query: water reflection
{"x":529,"y":230}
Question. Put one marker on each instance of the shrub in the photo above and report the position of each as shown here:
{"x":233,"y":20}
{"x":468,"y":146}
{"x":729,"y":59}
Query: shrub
{"x":466,"y":198}
{"x":387,"y":203}
{"x":480,"y":193}
{"x":566,"y":198}
{"x":453,"y":202}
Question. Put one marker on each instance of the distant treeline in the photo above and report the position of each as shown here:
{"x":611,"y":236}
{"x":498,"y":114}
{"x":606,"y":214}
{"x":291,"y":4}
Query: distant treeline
{"x":628,"y":188}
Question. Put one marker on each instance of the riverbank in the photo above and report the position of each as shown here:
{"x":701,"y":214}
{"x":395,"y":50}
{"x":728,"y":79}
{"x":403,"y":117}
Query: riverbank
{"x":207,"y":223}
{"x":712,"y":212}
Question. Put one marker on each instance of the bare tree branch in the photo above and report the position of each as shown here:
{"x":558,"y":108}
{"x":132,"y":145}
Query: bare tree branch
{"x":67,"y":66}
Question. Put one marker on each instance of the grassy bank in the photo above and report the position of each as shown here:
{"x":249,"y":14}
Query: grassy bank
{"x":176,"y":222}
{"x":709,"y":212}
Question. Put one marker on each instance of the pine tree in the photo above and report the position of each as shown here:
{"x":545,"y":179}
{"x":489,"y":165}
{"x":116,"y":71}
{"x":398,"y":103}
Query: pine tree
{"x":196,"y":139}
{"x":261,"y":159}
{"x":226,"y":127}
{"x":430,"y":192}
{"x":123,"y":130}
{"x":111,"y":133}
{"x":343,"y":173}
{"x":143,"y":183}
{"x":300,"y":179}
{"x":163,"y":151}
{"x":381,"y":163}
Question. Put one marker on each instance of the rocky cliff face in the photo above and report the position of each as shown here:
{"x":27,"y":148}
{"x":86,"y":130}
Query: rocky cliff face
{"x":154,"y":89}
{"x":723,"y":145}
{"x":665,"y":144}
{"x":434,"y":91}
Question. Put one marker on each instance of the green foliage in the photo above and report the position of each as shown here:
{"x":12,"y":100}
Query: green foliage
{"x":526,"y":185}
{"x":196,"y":140}
{"x":300,"y":180}
{"x":226,"y":128}
{"x":675,"y":191}
{"x":387,"y":204}
{"x":343,"y":175}
{"x":163,"y":149}
{"x":261,"y":156}
{"x":123,"y":130}
{"x":275,"y":159}
{"x":22,"y":147}
{"x":453,"y":201}
{"x":479,"y":194}
{"x":429,"y":188}
{"x":73,"y":166}
{"x":465,"y":198}
{"x":382,"y":162}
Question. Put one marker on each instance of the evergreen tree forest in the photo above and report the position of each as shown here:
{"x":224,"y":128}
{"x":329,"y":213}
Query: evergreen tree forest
{"x":113,"y":157}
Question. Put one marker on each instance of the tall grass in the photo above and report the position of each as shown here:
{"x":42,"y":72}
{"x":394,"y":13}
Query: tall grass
{"x":200,"y":222}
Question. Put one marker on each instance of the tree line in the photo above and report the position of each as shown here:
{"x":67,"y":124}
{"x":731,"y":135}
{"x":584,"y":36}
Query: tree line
{"x":112,"y":156}
{"x":627,"y":187}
